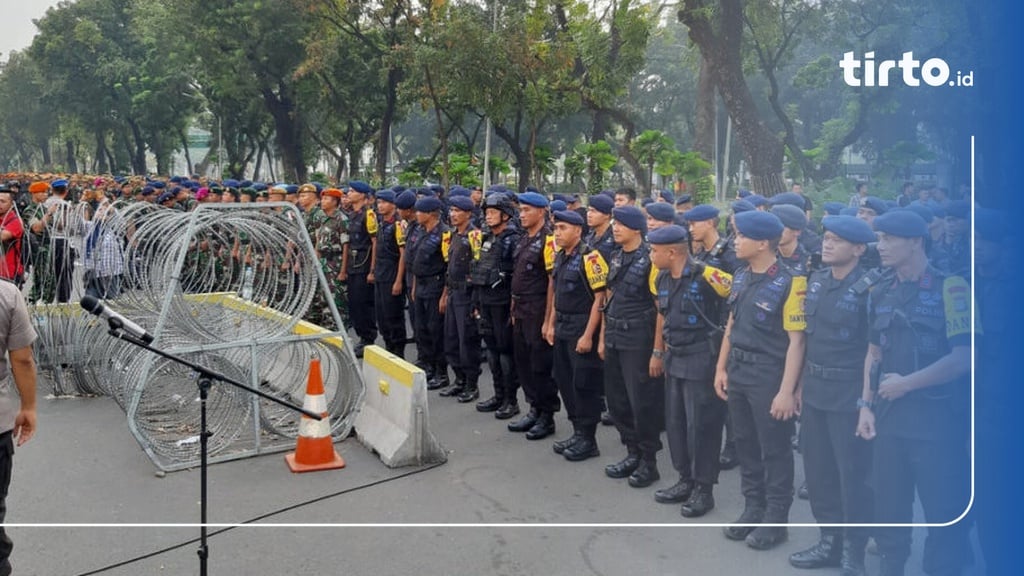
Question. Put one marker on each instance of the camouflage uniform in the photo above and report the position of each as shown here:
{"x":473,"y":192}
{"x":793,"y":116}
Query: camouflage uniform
{"x":330,"y":239}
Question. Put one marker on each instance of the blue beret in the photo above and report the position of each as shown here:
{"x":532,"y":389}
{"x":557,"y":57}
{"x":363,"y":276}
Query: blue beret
{"x":645,"y":202}
{"x":874,"y":203}
{"x":249,"y":184}
{"x":459,"y":191}
{"x":849,"y":228}
{"x":461,"y":203}
{"x":159,"y":184}
{"x":702,"y":212}
{"x":386,"y":195}
{"x":602,"y":203}
{"x":361,"y":187}
{"x":533,"y":199}
{"x":902,"y":223}
{"x":833,"y":208}
{"x":231,"y":184}
{"x":319,"y":187}
{"x":176,"y":180}
{"x":147,"y":190}
{"x":557,"y":206}
{"x":759,"y":225}
{"x":61,"y":183}
{"x":164,"y":197}
{"x":791,"y":216}
{"x":436,"y":189}
{"x":741,"y":206}
{"x":671,"y":234}
{"x":569,"y":217}
{"x":957,"y":209}
{"x":426,"y":192}
{"x":608,"y":193}
{"x":559,"y":198}
{"x":406,"y":200}
{"x":744,"y":193}
{"x":848,"y":211}
{"x":631,"y":217}
{"x":428,"y":204}
{"x":532,"y":189}
{"x":921,"y":210}
{"x":661,"y":211}
{"x":667,"y":196}
{"x":291,"y":189}
{"x":757,"y":200}
{"x":791,"y":198}
{"x":684,"y":199}
{"x":398,"y":189}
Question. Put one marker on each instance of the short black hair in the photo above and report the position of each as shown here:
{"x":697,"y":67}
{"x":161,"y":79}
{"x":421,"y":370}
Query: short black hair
{"x":861,"y":186}
{"x":626,"y":191}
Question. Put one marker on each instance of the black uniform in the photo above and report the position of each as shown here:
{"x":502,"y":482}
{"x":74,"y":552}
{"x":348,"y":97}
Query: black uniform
{"x":836,"y":461}
{"x":534,"y":256}
{"x":764,"y":308}
{"x":361,"y":229}
{"x":692,"y":306}
{"x":922,"y":438}
{"x":798,"y":261}
{"x":428,"y":267}
{"x":577,"y":278}
{"x":491,"y":276}
{"x":634,"y":398}
{"x":462,"y":339}
{"x":412,"y":232}
{"x":605,"y":243}
{"x":389,"y":308}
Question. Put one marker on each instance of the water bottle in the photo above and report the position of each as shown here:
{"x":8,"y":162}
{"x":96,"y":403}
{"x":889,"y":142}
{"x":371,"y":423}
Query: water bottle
{"x":247,"y":284}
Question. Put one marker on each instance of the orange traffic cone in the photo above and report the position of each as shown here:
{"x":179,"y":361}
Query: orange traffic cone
{"x":314,"y":449}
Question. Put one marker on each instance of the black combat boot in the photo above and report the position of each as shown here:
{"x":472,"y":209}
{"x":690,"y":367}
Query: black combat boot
{"x":645,"y":474}
{"x":728,"y":459}
{"x":544,"y":427}
{"x":526,"y":422}
{"x":768,"y":537}
{"x":585,"y":448}
{"x":741,"y":528}
{"x":825,"y":553}
{"x":623,"y":468}
{"x":700,"y":502}
{"x":469,"y":393}
{"x":676,"y":493}
{"x":560,"y":445}
{"x":490,"y":405}
{"x":509,"y":409}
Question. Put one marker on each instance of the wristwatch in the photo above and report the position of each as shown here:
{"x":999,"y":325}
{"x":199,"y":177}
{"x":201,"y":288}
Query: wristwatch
{"x":862,"y":403}
{"x":657,"y":353}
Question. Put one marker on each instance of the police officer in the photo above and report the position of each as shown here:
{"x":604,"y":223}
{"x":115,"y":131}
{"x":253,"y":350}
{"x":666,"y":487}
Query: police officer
{"x":808,"y":238}
{"x":406,"y":205}
{"x":916,"y":412}
{"x":428,"y":269}
{"x":791,"y":251}
{"x":836,"y":463}
{"x":362,"y":235}
{"x":389,"y":298}
{"x":491,"y":276}
{"x":534,"y":258}
{"x":632,"y":376}
{"x":757,"y":373}
{"x":576,"y":294}
{"x":691,"y":299}
{"x":660,"y":214}
{"x":599,"y":220}
{"x":462,"y":337}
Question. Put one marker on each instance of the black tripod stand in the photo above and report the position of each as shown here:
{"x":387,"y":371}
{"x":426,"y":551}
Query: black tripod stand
{"x":206,"y":379}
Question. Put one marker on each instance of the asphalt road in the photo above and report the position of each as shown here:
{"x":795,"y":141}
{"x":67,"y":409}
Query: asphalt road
{"x":84,"y":467}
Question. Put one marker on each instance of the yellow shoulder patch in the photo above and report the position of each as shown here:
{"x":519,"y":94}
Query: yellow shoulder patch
{"x":371,"y":222}
{"x":720,"y":281}
{"x":400,"y":231}
{"x":652,"y":280}
{"x":446,"y":244}
{"x":596,"y":269}
{"x":475,"y":243}
{"x":549,"y":253}
{"x":956,"y":298}
{"x":793,"y":319}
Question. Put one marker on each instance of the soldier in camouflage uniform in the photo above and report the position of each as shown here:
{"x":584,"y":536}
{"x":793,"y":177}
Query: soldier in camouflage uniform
{"x":331,"y":241}
{"x":39,"y":243}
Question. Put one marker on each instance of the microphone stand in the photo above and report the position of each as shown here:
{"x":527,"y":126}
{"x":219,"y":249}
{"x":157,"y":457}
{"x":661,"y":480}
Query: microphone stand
{"x":206,"y":379}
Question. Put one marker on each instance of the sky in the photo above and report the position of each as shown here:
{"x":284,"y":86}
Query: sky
{"x":18,"y":29}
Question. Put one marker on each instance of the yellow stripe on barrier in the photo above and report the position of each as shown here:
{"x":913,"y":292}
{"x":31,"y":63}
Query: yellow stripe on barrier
{"x":389,"y":364}
{"x":231,"y":301}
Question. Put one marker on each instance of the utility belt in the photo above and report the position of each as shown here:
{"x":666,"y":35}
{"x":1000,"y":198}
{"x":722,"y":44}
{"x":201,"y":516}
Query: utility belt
{"x":430,"y":279}
{"x":741,"y":355}
{"x":624,"y":325}
{"x":704,"y":347}
{"x":843,"y":374}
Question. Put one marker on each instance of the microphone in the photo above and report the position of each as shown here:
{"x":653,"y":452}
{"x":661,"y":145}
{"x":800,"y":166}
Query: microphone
{"x":92,"y":305}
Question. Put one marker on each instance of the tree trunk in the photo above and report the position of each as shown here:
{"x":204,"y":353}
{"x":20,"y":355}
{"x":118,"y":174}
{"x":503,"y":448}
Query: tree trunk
{"x":184,"y":148}
{"x":288,"y":132}
{"x":44,"y":149}
{"x":704,"y":131}
{"x":440,"y":130}
{"x":99,"y":165}
{"x":388,"y":118}
{"x":138,"y":155}
{"x":721,"y":49}
{"x":69,"y":151}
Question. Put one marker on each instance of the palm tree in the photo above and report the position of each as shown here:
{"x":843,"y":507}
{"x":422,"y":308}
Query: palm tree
{"x":647,"y":147}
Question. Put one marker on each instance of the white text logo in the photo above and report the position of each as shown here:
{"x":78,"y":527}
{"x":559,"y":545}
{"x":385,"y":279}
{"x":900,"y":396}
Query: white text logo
{"x":933,"y":72}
